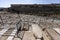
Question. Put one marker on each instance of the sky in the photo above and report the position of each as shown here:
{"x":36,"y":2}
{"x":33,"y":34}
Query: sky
{"x":7,"y":3}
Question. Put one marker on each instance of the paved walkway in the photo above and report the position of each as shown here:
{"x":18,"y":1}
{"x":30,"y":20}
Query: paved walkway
{"x":37,"y":30}
{"x":28,"y":36}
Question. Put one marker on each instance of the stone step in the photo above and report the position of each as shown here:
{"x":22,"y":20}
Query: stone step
{"x":13,"y":33}
{"x":28,"y":36}
{"x":8,"y":35}
{"x":3,"y":31}
{"x":57,"y":30}
{"x":16,"y":39}
{"x":54,"y":35}
{"x":46,"y":36}
{"x":5,"y":36}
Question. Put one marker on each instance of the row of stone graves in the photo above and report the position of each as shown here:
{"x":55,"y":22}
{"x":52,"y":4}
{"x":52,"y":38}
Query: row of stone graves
{"x":28,"y":27}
